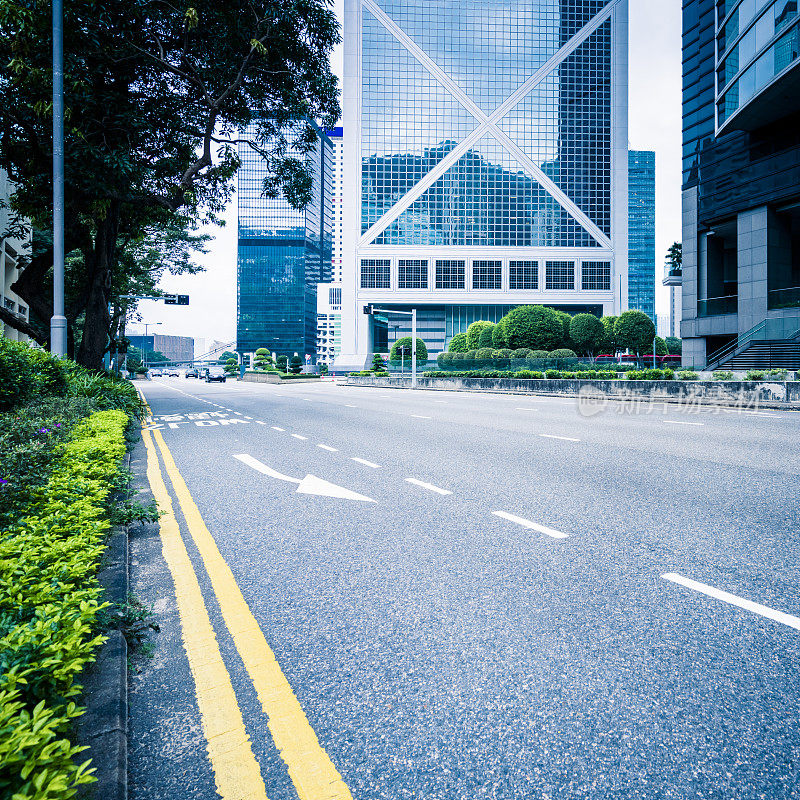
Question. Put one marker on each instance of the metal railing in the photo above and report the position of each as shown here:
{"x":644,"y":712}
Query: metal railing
{"x":786,"y":328}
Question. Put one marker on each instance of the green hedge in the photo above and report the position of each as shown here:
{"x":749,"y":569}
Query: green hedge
{"x":49,"y":600}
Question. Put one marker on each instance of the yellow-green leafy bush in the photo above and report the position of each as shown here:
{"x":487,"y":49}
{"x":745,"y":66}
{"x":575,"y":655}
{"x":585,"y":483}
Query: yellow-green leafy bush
{"x":49,"y":600}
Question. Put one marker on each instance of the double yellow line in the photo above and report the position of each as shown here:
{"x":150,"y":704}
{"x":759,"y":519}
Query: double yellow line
{"x":236,"y":770}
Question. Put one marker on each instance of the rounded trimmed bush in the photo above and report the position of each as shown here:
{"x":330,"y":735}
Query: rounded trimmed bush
{"x":539,"y":354}
{"x":587,"y":333}
{"x":635,"y":331}
{"x":500,"y":334}
{"x":444,"y":359}
{"x":17,"y":376}
{"x":474,"y":333}
{"x":405,"y":343}
{"x":522,"y":352}
{"x":484,"y":354}
{"x":485,"y":339}
{"x":458,"y":344}
{"x":536,"y":327}
{"x":562,"y":353}
{"x":504,"y":353}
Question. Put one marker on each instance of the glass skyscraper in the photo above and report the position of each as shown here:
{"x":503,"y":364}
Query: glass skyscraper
{"x":485,"y":162}
{"x":283,"y":254}
{"x":642,"y":231}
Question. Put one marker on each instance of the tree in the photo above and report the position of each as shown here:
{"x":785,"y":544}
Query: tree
{"x":674,"y":345}
{"x":674,"y":258}
{"x":226,"y":356}
{"x":474,"y":333}
{"x":485,"y":339}
{"x":378,"y":364}
{"x":458,"y":344}
{"x":323,"y":368}
{"x":401,"y":350}
{"x":587,"y":333}
{"x":232,"y":366}
{"x":262,"y":359}
{"x":282,"y":363}
{"x":566,"y":321}
{"x":499,"y":335}
{"x":661,"y":347}
{"x":295,"y":364}
{"x":154,"y":96}
{"x":534,"y":327}
{"x":635,"y":331}
{"x":610,"y":343}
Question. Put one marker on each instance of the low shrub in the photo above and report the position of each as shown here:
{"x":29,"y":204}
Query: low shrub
{"x":527,"y":373}
{"x":291,"y":376}
{"x":17,"y":376}
{"x":504,"y":353}
{"x":484,"y":354}
{"x":538,"y":354}
{"x":721,"y":375}
{"x":552,"y":373}
{"x":688,"y":375}
{"x":444,"y":359}
{"x":754,"y":375}
{"x":106,"y":392}
{"x":561,"y":354}
{"x":380,"y":373}
{"x":777,"y":374}
{"x":49,"y":601}
{"x":522,"y":352}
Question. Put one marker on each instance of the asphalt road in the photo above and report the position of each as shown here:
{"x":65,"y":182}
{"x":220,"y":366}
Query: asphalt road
{"x":440,"y":650}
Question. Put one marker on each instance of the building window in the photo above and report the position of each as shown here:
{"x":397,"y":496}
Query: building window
{"x":335,"y":296}
{"x":412,"y":274}
{"x":559,"y":275}
{"x":375,"y":273}
{"x":487,"y":275}
{"x":523,"y":275}
{"x":596,"y":275}
{"x":450,"y":274}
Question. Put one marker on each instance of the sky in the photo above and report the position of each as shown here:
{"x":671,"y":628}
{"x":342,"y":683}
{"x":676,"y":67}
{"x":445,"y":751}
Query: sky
{"x":654,"y":124}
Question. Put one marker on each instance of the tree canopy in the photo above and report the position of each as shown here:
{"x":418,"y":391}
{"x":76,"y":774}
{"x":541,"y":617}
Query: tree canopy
{"x":635,"y":331}
{"x":587,"y":333}
{"x":535,"y":327}
{"x":155,"y":97}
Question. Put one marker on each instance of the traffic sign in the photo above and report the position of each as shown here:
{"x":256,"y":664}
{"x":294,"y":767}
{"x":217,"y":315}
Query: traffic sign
{"x":176,"y":299}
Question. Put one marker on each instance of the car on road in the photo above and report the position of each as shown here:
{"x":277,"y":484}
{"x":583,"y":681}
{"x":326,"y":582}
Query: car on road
{"x":191,"y":373}
{"x":215,"y":374}
{"x":172,"y":372}
{"x":156,"y":373}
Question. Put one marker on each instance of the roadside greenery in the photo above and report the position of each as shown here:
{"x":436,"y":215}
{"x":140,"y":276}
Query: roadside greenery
{"x":401,"y":351}
{"x":63,"y":432}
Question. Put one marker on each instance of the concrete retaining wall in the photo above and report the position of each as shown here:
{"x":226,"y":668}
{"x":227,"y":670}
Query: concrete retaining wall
{"x":782,"y":394}
{"x":271,"y":377}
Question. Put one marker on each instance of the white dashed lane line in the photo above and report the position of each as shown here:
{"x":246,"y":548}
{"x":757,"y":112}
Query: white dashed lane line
{"x":534,"y":526}
{"x":276,"y":428}
{"x":681,"y":422}
{"x":419,"y":416}
{"x":326,"y":447}
{"x":429,"y":486}
{"x":734,"y":600}
{"x":365,"y":463}
{"x":562,"y":438}
{"x":298,"y":436}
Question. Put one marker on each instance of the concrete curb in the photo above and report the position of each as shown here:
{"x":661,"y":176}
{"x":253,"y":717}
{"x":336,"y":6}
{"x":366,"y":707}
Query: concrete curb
{"x":783,"y":395}
{"x":104,"y":726}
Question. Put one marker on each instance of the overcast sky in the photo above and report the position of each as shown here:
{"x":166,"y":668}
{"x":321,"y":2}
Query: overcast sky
{"x":655,"y":124}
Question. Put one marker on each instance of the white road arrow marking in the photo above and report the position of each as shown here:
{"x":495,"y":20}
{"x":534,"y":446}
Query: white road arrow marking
{"x":311,"y":484}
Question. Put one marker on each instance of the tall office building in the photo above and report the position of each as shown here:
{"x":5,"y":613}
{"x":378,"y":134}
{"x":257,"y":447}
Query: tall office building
{"x":283,"y":254}
{"x":741,"y":182}
{"x":642,"y":231}
{"x":329,"y":295}
{"x":485,"y":163}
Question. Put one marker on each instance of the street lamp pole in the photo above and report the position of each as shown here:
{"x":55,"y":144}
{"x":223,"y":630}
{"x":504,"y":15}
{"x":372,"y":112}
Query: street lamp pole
{"x":58,"y":322}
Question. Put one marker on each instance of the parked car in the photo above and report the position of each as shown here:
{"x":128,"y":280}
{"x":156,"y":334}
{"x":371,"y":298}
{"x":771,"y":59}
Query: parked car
{"x":191,"y":373}
{"x":215,"y":374}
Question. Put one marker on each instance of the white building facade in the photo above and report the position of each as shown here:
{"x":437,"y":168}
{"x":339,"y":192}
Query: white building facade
{"x":329,"y":295}
{"x":485,"y":164}
{"x":11,"y":251}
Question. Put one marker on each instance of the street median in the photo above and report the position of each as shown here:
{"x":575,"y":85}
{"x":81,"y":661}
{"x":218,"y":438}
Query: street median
{"x":744,"y":394}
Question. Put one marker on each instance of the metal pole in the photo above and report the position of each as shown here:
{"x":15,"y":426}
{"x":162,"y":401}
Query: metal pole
{"x":413,"y":348}
{"x":654,"y":353}
{"x":58,"y":322}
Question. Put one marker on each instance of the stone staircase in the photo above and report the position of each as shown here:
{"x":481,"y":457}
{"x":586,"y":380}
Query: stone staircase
{"x":782,"y":353}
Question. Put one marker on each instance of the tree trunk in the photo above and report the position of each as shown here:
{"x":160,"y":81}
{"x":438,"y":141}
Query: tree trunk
{"x":97,"y":322}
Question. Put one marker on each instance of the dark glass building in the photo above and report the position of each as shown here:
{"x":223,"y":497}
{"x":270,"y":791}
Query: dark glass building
{"x":642,"y":231}
{"x":283,"y":254}
{"x":741,"y":190}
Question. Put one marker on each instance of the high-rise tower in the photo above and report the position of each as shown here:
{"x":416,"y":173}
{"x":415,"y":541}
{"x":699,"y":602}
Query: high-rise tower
{"x":486,"y":163}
